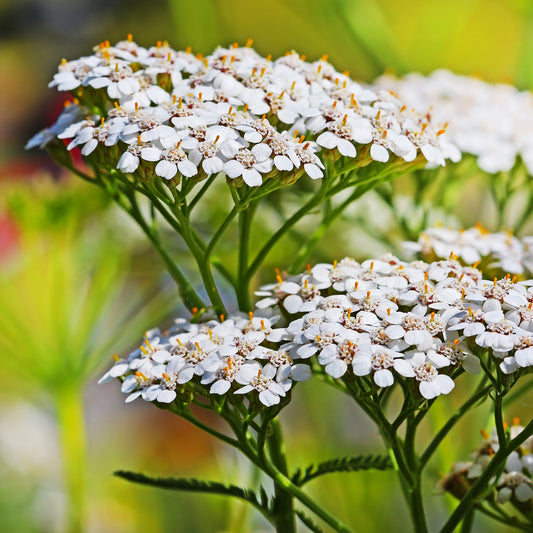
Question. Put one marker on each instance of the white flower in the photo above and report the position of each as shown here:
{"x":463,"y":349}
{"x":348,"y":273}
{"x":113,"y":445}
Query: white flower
{"x":381,"y":360}
{"x":253,"y":377}
{"x":170,"y":162}
{"x":250,"y":164}
{"x":432,"y":384}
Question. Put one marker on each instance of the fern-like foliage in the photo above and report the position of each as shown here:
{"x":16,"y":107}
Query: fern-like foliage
{"x":308,"y":522}
{"x":259,"y":499}
{"x":342,"y":464}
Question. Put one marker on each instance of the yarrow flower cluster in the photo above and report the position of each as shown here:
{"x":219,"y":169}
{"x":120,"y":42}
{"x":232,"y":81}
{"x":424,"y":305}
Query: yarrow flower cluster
{"x":501,"y":250}
{"x":514,"y":484}
{"x":383,"y":318}
{"x":175,"y":114}
{"x":490,"y":121}
{"x":221,"y":356}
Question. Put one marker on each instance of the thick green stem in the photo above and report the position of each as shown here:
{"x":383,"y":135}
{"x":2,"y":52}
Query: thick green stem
{"x":249,"y":448}
{"x":243,"y":282}
{"x":283,"y":500}
{"x":289,"y":223}
{"x":203,"y":263}
{"x":492,"y":469}
{"x":69,"y":408}
{"x":187,"y":293}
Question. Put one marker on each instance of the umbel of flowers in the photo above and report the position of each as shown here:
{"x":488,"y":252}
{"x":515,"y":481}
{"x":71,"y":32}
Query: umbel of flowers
{"x":168,"y":125}
{"x":157,"y":129}
{"x":420,"y":323}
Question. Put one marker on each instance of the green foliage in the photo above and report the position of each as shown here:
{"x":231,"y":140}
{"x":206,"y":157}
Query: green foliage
{"x":342,"y":464}
{"x":258,"y":499}
{"x":307,"y":521}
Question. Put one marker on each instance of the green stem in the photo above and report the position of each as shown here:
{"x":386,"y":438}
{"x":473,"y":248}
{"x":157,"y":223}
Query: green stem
{"x":202,"y":261}
{"x":439,"y":437}
{"x":246,"y":447}
{"x":481,"y":484}
{"x":243,"y":282}
{"x":69,"y":408}
{"x":221,"y":230}
{"x":187,"y":293}
{"x":498,"y":420}
{"x":283,"y":500}
{"x":202,"y":191}
{"x":468,"y":522}
{"x":291,"y":221}
{"x":517,"y":394}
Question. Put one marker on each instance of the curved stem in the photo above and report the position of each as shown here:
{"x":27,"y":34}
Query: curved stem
{"x":187,"y":293}
{"x":221,"y":230}
{"x":439,"y":437}
{"x":202,"y":191}
{"x":511,"y":522}
{"x":243,"y":282}
{"x":202,"y":261}
{"x":291,"y":221}
{"x":492,"y":469}
{"x":283,"y":500}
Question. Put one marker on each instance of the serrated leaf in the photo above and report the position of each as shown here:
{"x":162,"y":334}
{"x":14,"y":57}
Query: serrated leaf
{"x":261,"y":502}
{"x":342,"y":464}
{"x":308,"y":522}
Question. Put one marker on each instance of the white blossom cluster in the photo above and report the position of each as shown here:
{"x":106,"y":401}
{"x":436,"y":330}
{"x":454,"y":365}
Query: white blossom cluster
{"x":220,"y":356}
{"x":490,"y":121}
{"x":392,"y":319}
{"x":384,"y":318}
{"x":233,"y":111}
{"x":501,"y":249}
{"x":515,"y":482}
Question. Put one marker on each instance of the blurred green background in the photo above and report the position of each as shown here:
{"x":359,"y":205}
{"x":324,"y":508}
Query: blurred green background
{"x":59,"y":238}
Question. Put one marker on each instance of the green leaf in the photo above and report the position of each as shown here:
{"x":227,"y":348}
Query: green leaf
{"x":342,"y":464}
{"x":259,"y":500}
{"x":308,"y":522}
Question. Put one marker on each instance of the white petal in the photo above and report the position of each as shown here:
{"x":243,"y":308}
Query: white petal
{"x":383,"y":378}
{"x":379,"y":153}
{"x":166,"y":169}
{"x":251,"y":177}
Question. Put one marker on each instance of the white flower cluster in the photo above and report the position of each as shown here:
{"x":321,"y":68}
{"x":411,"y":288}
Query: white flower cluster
{"x":383,"y":318}
{"x":417,"y":320}
{"x":516,"y":482}
{"x":218,"y":356}
{"x":477,"y":244}
{"x":490,"y":121}
{"x":233,"y":112}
